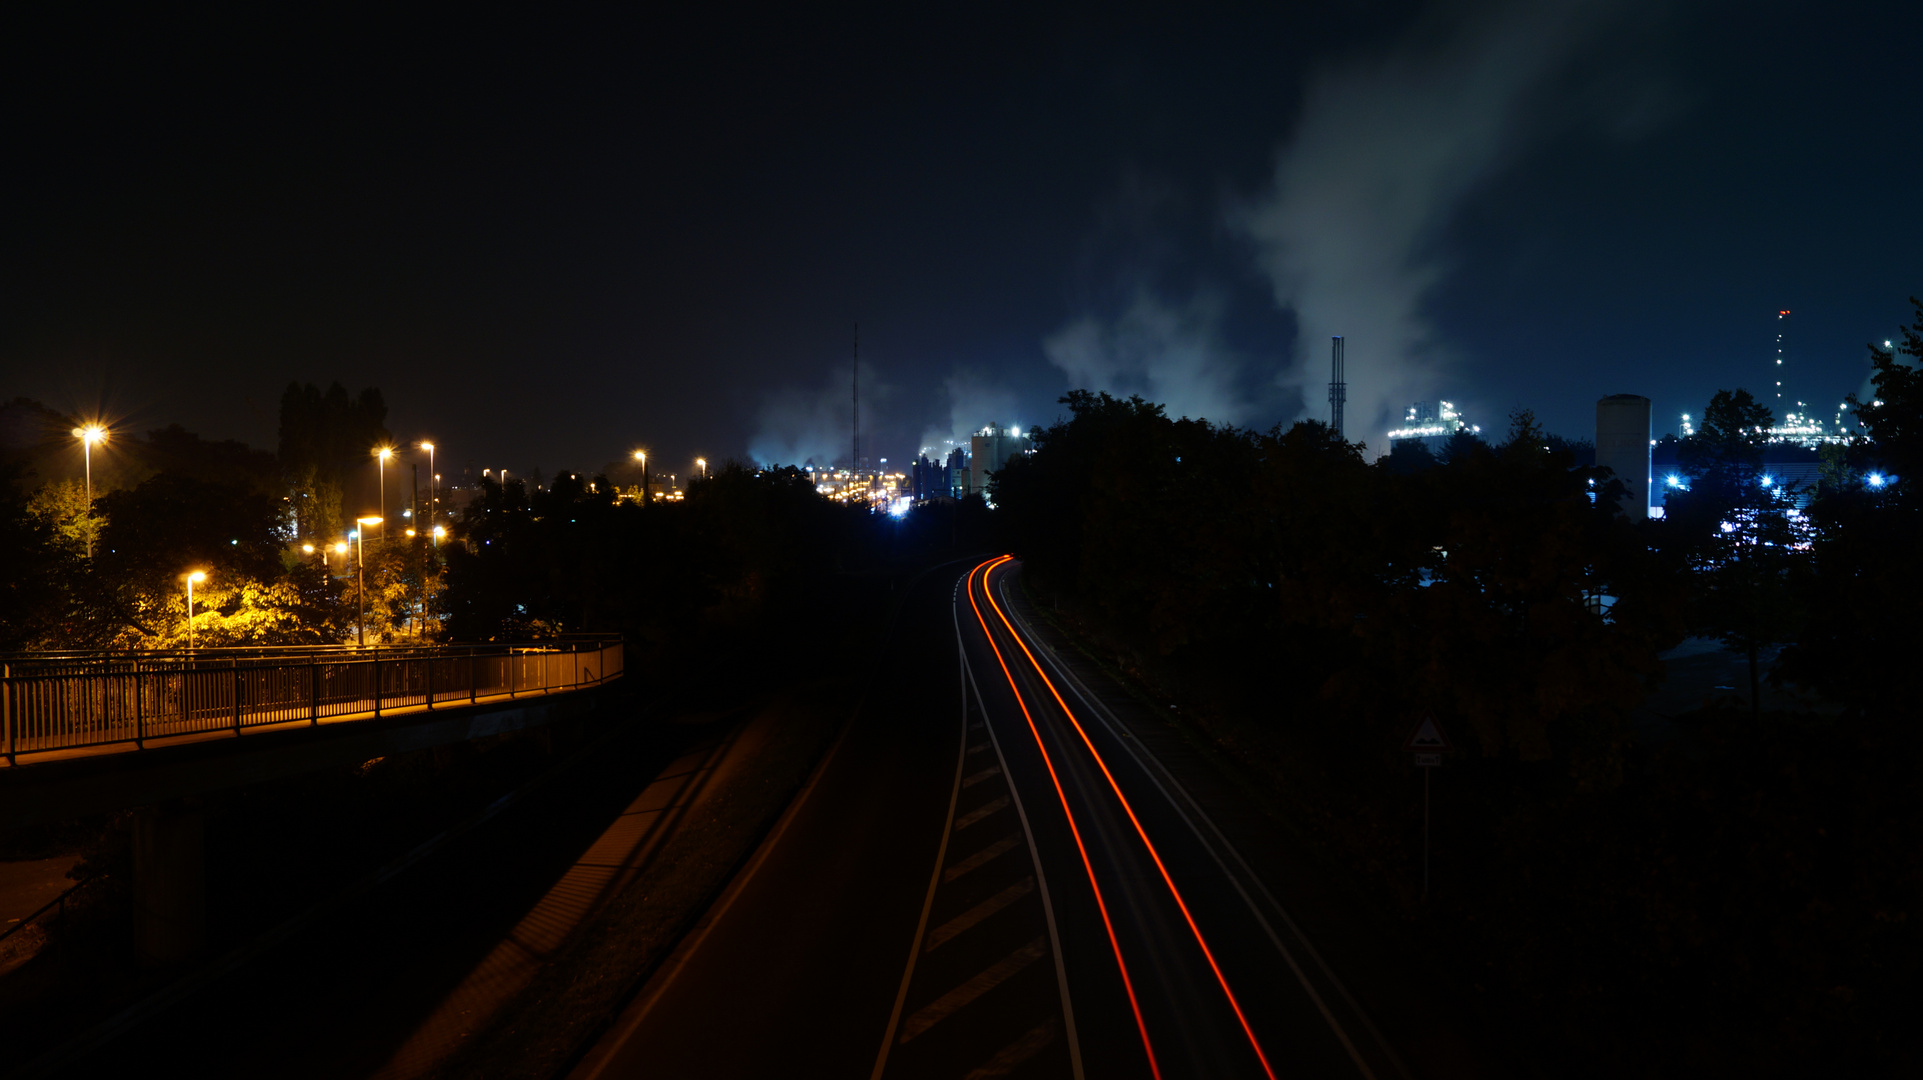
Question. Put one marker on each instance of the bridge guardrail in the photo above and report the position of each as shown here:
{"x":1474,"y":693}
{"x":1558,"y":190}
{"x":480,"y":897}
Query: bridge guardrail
{"x":71,"y":702}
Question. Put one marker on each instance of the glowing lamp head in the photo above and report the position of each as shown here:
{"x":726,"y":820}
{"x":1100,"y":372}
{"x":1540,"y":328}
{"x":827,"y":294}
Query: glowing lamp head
{"x":308,"y":548}
{"x":90,"y":433}
{"x":439,"y":532}
{"x":384,"y":452}
{"x":367,"y":521}
{"x":340,"y":549}
{"x":196,"y":577}
{"x":1768,"y":480}
{"x":1876,"y":479}
{"x":428,"y":446}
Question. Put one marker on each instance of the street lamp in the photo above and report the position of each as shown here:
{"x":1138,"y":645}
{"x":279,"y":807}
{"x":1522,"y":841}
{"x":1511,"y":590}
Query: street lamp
{"x":360,"y":569}
{"x":642,"y":457}
{"x":191,"y":578}
{"x":429,"y":447}
{"x":88,"y":435}
{"x":381,"y":454}
{"x":703,"y":463}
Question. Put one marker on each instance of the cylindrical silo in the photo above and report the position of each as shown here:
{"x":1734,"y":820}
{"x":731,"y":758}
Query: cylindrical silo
{"x":1622,"y":444}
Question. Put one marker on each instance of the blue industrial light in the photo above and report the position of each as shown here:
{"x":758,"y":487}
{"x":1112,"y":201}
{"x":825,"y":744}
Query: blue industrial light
{"x":1876,"y":479}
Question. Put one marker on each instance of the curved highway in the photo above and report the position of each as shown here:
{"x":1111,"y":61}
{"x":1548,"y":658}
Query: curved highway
{"x":991,"y":876}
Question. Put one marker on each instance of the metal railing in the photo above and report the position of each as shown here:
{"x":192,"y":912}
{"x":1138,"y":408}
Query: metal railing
{"x":71,"y":701}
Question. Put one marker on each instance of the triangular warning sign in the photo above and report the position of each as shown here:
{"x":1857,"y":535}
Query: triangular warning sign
{"x":1428,"y":736}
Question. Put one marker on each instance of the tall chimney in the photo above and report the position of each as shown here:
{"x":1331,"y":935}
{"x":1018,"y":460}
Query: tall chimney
{"x":1338,"y":389}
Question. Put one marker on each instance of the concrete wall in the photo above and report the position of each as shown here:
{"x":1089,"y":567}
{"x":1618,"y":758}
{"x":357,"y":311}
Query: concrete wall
{"x":1622,"y":444}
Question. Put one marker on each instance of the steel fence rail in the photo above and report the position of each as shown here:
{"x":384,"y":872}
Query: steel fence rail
{"x":76,"y":701}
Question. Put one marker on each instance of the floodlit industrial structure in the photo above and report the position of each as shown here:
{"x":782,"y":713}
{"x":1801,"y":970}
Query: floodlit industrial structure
{"x":1431,"y":425}
{"x":989,"y":450}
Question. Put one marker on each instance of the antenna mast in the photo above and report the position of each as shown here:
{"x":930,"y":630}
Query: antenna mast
{"x":1338,"y":389}
{"x":856,"y":466}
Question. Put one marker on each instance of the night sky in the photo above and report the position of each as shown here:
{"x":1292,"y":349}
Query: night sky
{"x":550,"y":240}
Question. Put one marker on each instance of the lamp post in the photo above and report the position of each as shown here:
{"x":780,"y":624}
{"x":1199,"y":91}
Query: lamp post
{"x":339,"y":549}
{"x":429,"y":447}
{"x":642,"y":457}
{"x":88,"y":435}
{"x":380,"y":465}
{"x":360,"y":569}
{"x":703,"y":463}
{"x":191,"y":578}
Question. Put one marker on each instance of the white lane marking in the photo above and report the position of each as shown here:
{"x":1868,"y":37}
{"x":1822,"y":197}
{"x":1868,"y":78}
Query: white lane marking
{"x":1009,"y":1057}
{"x":1130,"y":744}
{"x":950,"y":827}
{"x":991,"y":852}
{"x":973,"y":816}
{"x":949,"y":930}
{"x":992,"y":770}
{"x":938,"y":1010}
{"x":978,"y":748}
{"x":1035,"y":859}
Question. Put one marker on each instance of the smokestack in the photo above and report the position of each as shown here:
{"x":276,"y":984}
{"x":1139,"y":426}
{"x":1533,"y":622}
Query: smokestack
{"x":1338,"y":389}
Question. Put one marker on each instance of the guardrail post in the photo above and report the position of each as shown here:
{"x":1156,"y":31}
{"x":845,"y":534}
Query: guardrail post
{"x":6,"y":705}
{"x":473,"y":675}
{"x":429,"y":681}
{"x":313,"y":691}
{"x":237,"y":687}
{"x":377,"y":686}
{"x":140,"y":709}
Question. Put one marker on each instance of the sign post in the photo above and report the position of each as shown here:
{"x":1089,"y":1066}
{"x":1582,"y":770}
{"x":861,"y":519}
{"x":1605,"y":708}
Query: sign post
{"x":1427,"y":743}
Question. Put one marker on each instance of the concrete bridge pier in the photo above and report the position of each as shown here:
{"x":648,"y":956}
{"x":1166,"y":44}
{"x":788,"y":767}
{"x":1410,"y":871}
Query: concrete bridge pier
{"x":170,"y":881}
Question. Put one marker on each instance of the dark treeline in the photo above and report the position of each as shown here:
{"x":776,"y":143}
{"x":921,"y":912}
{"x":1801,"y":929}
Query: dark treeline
{"x":1732,"y":887}
{"x":744,"y":549}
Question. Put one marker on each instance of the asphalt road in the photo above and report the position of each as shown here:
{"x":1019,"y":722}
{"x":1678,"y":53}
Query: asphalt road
{"x":992,"y":876}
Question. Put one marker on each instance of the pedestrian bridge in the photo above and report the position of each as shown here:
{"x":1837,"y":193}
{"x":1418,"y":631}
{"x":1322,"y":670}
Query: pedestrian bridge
{"x":87,"y":733}
{"x":58,"y":706}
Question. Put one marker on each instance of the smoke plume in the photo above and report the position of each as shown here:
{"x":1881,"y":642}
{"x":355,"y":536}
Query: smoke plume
{"x":812,"y":426}
{"x":974,"y":400}
{"x":1350,"y":232}
{"x":1168,"y":353}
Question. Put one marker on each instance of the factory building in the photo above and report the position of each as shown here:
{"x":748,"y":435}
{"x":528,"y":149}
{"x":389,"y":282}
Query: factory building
{"x":941,"y":479}
{"x":989,"y":449}
{"x":1622,"y":444}
{"x":1431,"y":424}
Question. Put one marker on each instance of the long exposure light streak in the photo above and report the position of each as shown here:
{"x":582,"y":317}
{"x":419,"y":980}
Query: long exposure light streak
{"x":1130,"y":810}
{"x":1088,"y":866}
